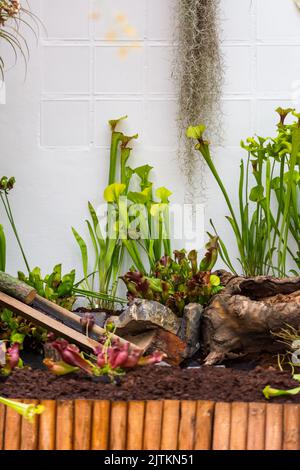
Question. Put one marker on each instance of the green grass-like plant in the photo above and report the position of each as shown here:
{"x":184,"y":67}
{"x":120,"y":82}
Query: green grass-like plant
{"x":268,"y":196}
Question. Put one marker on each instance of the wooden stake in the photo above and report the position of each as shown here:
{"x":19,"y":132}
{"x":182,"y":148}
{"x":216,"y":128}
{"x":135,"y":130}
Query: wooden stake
{"x":2,"y":425}
{"x":135,"y":425}
{"x":170,"y":425}
{"x":274,"y":427}
{"x":47,"y":426}
{"x":221,"y":434}
{"x":64,"y":425}
{"x":118,"y":426}
{"x":100,"y":425}
{"x":152,"y":429}
{"x":256,"y":426}
{"x":291,"y":436}
{"x":187,"y":425}
{"x":12,"y":430}
{"x":238,"y":426}
{"x":204,"y":425}
{"x":29,"y":431}
{"x":82,"y":424}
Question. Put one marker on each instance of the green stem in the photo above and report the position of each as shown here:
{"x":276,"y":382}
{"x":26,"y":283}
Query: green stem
{"x":285,"y":221}
{"x":13,"y":225}
{"x":115,"y":140}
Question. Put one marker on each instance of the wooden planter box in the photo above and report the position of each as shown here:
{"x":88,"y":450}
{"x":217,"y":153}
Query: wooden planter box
{"x":153,"y":425}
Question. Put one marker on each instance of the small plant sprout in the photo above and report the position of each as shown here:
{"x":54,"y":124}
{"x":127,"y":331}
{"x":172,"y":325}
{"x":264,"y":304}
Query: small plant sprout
{"x":27,"y":411}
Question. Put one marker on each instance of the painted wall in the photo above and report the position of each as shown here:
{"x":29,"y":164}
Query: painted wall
{"x":102,"y":59}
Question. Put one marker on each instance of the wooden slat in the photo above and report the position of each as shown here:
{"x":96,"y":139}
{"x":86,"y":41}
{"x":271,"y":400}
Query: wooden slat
{"x":45,"y":321}
{"x":221,"y":432}
{"x":82,"y":424}
{"x":100,"y":425}
{"x":29,"y":431}
{"x":47,"y":426}
{"x":2,"y":424}
{"x":152,"y":429}
{"x":204,"y":425}
{"x":170,"y":425}
{"x":291,"y":436}
{"x":12,"y":430}
{"x":256,"y":426}
{"x":274,"y":427}
{"x":118,"y":426}
{"x":135,"y":425}
{"x":238,"y":427}
{"x":187,"y":425}
{"x":64,"y":425}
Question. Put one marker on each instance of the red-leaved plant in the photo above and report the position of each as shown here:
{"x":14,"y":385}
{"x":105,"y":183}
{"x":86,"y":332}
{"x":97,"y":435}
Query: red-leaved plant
{"x":11,"y":359}
{"x":110,"y":358}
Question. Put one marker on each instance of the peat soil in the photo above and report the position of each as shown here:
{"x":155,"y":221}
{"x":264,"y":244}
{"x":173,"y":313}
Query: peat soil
{"x":153,"y":383}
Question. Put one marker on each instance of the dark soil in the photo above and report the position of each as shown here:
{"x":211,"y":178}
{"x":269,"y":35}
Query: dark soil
{"x":153,"y":383}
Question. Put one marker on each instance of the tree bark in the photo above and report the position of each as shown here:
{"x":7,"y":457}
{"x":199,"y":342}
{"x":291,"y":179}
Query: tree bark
{"x":16,"y":289}
{"x":242,"y":318}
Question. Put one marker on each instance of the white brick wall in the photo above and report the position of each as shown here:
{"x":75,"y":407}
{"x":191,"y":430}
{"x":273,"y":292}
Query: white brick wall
{"x":53,"y":128}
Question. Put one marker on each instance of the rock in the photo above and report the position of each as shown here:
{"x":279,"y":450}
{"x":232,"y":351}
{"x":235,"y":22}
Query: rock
{"x":145,"y":315}
{"x":170,"y":344}
{"x":159,"y":326}
{"x":190,"y":328}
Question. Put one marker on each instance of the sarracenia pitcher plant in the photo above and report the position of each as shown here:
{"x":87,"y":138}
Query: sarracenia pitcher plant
{"x":268,"y":195}
{"x":134,"y":222}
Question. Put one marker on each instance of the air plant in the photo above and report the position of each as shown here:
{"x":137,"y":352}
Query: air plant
{"x":28,"y":411}
{"x":13,"y":15}
{"x":198,"y":72}
{"x":179,"y":281}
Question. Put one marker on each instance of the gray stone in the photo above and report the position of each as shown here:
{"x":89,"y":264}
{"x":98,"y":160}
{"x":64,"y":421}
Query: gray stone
{"x":190,"y":328}
{"x":144,"y":315}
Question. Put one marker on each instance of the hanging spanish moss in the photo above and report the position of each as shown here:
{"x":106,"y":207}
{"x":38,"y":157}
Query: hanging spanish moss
{"x":199,"y":76}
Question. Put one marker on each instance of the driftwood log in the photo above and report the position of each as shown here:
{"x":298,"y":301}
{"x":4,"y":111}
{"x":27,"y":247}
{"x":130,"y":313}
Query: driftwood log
{"x":242,"y":318}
